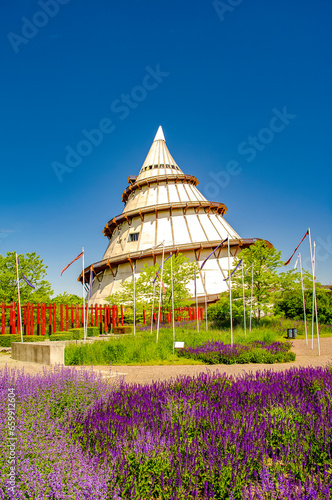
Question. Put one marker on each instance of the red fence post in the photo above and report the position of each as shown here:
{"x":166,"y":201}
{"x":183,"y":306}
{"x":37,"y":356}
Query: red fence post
{"x":18,"y":319}
{"x":113,"y":316}
{"x":67,"y":325}
{"x":61,"y":317}
{"x":121,"y":315}
{"x":3,"y":319}
{"x":54,"y":318}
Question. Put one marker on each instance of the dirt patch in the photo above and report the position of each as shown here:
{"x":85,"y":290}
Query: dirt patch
{"x":305,"y":356}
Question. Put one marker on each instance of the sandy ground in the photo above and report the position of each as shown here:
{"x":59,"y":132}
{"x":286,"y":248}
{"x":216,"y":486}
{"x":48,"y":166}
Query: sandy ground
{"x":305,"y":356}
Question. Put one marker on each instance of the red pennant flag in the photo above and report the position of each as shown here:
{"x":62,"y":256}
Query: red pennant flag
{"x":290,"y":258}
{"x":80,"y":255}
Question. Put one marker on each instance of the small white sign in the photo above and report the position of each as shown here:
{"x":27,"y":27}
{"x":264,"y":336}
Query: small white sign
{"x":178,"y":345}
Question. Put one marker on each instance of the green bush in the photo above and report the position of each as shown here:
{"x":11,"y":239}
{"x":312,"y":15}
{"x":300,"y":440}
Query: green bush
{"x":123,"y":329}
{"x":6,"y":340}
{"x":91,"y":331}
{"x":61,"y":336}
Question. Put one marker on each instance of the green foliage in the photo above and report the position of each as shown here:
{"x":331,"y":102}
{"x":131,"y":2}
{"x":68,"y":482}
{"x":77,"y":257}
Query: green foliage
{"x":63,"y":336}
{"x":6,"y":340}
{"x":75,"y":334}
{"x":67,"y":298}
{"x":35,"y":271}
{"x":219,"y":313}
{"x":122,"y":329}
{"x":183,"y":273}
{"x":266,"y":280}
{"x":143,"y":348}
{"x":290,"y":304}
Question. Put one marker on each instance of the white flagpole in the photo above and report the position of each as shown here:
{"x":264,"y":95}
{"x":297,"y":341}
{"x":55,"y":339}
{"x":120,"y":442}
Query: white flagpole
{"x":154,"y":291}
{"x":83,"y":293}
{"x":230,"y":293}
{"x":172,"y":305}
{"x":252,"y":287}
{"x":161,"y":284}
{"x":303,"y":298}
{"x":19,"y":298}
{"x":196,"y":303}
{"x":87,"y":309}
{"x":134,"y":268}
{"x":244,"y":304}
{"x":206,"y":316}
{"x":317,"y":328}
{"x":313,"y":292}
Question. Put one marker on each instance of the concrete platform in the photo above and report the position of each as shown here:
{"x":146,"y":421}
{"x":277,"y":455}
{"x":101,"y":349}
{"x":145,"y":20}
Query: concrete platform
{"x":45,"y":353}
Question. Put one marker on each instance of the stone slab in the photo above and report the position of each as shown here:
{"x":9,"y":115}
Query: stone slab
{"x":45,"y":353}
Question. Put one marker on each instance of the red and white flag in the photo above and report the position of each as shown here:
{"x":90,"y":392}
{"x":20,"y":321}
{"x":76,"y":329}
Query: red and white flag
{"x":290,"y":258}
{"x":80,"y":255}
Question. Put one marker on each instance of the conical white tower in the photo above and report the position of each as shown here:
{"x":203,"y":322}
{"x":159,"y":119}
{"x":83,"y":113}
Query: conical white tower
{"x":163,"y":204}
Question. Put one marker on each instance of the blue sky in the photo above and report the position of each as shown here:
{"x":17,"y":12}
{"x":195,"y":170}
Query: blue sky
{"x":216,"y":81}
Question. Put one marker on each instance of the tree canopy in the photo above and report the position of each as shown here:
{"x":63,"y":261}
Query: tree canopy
{"x":34,"y":269}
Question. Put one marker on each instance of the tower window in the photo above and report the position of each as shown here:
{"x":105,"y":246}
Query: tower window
{"x":133,"y":237}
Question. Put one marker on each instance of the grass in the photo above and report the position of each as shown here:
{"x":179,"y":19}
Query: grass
{"x":143,"y":349}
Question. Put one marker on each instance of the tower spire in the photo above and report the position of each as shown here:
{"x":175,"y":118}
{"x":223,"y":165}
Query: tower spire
{"x":159,"y":135}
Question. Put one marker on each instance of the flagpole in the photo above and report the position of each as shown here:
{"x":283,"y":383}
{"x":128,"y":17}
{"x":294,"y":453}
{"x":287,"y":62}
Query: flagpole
{"x":134,"y":268}
{"x":19,"y":298}
{"x":161,"y":284}
{"x":303,"y":299}
{"x":206,"y":316}
{"x":252,"y":286}
{"x":89,"y":297}
{"x":172,"y":305}
{"x":196,"y":299}
{"x":315,"y":298}
{"x":244,"y":305}
{"x":230,"y":293}
{"x":313,"y":292}
{"x":83,"y":294}
{"x":154,"y":291}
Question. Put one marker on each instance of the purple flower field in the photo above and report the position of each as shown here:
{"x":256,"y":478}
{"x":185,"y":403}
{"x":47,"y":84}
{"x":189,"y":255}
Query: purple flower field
{"x":261,"y":436}
{"x":253,"y":352}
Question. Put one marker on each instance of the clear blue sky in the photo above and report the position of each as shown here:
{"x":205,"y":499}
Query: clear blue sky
{"x":225,"y":77}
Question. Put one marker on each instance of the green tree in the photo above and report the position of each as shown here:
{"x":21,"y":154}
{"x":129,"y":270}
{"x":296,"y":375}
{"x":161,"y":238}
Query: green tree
{"x":219,"y":313}
{"x":264,"y":263}
{"x":67,"y":298}
{"x":35,"y":271}
{"x":289,"y":303}
{"x":183,"y":273}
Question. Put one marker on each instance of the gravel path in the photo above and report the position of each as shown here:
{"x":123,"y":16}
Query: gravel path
{"x":305,"y":356}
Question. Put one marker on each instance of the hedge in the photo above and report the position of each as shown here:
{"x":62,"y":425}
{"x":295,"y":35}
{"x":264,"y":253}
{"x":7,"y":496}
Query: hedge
{"x":122,"y":329}
{"x":6,"y":340}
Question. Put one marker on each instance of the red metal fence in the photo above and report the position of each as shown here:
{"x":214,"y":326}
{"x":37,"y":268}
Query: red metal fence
{"x":48,"y":318}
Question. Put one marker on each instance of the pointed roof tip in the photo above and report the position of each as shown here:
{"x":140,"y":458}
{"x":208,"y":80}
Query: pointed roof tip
{"x":159,"y":135}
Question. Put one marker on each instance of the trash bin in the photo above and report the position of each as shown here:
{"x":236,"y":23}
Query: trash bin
{"x":294,"y":333}
{"x":290,"y":333}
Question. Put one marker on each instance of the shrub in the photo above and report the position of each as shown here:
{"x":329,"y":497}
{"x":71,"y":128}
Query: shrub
{"x":6,"y":340}
{"x":254,"y":352}
{"x":91,"y":331}
{"x":61,"y":336}
{"x":123,"y":329}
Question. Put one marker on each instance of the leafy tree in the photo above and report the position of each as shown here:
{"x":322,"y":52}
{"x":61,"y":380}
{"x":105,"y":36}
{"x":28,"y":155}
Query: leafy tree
{"x":266,"y":282}
{"x":289,"y":304}
{"x":35,"y":271}
{"x":183,"y":273}
{"x":219,"y":312}
{"x":67,"y":298}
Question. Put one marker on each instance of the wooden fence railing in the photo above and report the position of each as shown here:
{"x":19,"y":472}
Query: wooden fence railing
{"x":40,"y":319}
